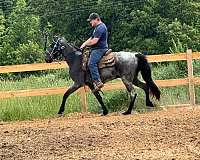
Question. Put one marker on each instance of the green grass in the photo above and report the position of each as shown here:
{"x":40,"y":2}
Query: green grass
{"x":56,"y":78}
{"x":197,"y":89}
{"x":47,"y":106}
{"x":35,"y":107}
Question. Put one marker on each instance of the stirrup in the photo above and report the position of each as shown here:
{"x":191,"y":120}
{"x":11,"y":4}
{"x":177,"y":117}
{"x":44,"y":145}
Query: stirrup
{"x":96,"y":89}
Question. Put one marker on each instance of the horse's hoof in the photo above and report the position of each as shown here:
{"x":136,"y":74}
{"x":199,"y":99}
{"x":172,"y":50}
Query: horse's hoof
{"x":126,"y":113}
{"x":150,"y":104}
{"x":103,"y":112}
{"x":60,"y":114}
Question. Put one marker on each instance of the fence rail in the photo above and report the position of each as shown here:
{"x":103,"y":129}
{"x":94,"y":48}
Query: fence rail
{"x":60,"y":65}
{"x":191,"y":81}
{"x":108,"y":87}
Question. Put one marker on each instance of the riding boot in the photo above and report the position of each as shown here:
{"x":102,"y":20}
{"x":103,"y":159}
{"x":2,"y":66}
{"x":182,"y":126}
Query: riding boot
{"x":97,"y":85}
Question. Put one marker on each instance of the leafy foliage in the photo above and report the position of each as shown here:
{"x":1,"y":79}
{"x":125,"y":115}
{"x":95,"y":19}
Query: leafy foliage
{"x":19,"y":36}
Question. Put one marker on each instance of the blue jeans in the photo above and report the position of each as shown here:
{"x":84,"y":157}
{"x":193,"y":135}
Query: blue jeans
{"x":95,"y":58}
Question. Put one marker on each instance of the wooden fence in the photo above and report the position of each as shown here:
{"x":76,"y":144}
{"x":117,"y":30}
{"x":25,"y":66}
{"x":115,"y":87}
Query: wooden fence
{"x":191,"y":81}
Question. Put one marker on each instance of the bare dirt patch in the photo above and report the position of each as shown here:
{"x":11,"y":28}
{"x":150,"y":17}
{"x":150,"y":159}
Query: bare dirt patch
{"x":167,"y":134}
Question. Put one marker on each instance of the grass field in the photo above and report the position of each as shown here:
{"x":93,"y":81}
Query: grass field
{"x":47,"y":106}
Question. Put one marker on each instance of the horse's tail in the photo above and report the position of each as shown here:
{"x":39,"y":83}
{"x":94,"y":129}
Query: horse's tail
{"x":145,"y":69}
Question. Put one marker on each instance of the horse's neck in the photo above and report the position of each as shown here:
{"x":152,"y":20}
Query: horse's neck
{"x":73,"y":61}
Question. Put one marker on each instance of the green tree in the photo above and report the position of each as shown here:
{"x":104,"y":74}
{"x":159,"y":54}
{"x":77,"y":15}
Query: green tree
{"x":22,"y":30}
{"x":151,"y":26}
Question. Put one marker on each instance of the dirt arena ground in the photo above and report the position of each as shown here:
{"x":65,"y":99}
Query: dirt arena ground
{"x":169,"y":134}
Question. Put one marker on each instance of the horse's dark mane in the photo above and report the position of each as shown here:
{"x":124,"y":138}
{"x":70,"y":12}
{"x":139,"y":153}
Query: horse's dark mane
{"x":70,"y":44}
{"x":71,"y":52}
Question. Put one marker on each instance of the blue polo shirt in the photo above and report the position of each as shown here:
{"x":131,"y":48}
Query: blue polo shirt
{"x":100,"y":32}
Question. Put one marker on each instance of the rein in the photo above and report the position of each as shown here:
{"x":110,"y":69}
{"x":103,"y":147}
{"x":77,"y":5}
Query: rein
{"x":75,"y":47}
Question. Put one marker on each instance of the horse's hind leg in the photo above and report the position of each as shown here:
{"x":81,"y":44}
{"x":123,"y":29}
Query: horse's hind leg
{"x":143,"y":86}
{"x":104,"y":110}
{"x":133,"y":95}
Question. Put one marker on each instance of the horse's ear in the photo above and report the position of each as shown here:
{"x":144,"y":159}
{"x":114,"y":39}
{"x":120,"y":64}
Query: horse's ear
{"x":55,"y":38}
{"x":63,"y":39}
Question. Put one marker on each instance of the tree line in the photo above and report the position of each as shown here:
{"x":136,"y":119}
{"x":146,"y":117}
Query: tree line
{"x":147,"y":26}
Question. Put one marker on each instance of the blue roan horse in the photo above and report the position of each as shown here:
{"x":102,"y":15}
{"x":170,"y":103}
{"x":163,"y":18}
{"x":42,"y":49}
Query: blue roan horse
{"x":127,"y":67}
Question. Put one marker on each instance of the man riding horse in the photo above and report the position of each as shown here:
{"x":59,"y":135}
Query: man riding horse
{"x":127,"y":67}
{"x":99,"y":45}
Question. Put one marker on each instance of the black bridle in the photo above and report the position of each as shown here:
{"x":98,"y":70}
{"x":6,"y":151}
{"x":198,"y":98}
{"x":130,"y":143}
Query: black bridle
{"x":61,"y":48}
{"x":51,"y":54}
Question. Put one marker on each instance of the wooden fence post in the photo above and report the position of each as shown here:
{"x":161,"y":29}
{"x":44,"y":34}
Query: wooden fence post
{"x":191,"y":77}
{"x":83,"y":99}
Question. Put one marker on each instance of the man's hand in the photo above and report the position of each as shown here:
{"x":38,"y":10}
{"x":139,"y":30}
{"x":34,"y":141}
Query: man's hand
{"x":83,"y":46}
{"x":89,"y":42}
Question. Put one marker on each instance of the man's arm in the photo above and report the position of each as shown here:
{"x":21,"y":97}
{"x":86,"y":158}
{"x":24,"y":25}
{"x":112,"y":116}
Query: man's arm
{"x":89,"y":42}
{"x":96,"y":36}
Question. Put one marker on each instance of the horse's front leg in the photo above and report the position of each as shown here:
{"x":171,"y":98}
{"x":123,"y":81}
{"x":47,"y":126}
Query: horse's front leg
{"x":72,"y":89}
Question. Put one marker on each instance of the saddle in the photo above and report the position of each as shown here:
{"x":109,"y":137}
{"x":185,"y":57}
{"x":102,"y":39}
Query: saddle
{"x":108,"y":60}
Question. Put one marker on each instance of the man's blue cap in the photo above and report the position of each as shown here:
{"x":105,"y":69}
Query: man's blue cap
{"x":93,"y":16}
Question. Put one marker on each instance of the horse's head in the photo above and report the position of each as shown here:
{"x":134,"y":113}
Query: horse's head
{"x":54,"y":50}
{"x":60,"y":46}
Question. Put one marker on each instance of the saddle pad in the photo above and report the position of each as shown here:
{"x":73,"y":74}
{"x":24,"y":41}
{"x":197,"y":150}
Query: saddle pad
{"x":107,"y":60}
